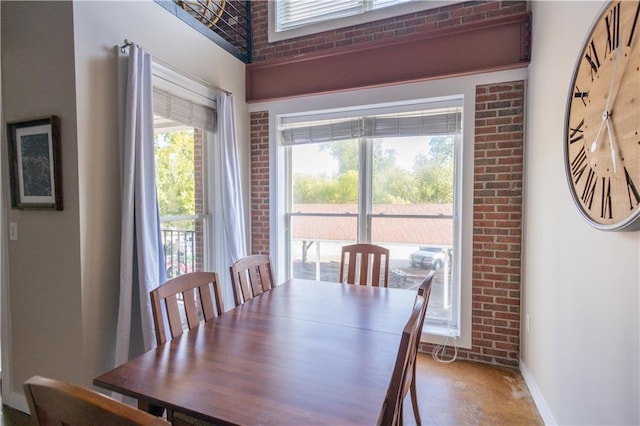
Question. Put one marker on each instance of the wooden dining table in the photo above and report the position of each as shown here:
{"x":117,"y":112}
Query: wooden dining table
{"x":306,"y":352}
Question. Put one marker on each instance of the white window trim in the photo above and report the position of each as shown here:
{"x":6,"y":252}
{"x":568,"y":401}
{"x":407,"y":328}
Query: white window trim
{"x":464,"y":85}
{"x":369,"y":16}
{"x":365,"y":204}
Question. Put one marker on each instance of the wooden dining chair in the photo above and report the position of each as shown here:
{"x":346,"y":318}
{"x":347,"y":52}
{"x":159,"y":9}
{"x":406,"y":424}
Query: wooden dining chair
{"x":365,"y":264}
{"x":191,"y":290}
{"x":403,"y":370}
{"x":251,"y":276}
{"x":424,"y":290}
{"x":52,"y":402}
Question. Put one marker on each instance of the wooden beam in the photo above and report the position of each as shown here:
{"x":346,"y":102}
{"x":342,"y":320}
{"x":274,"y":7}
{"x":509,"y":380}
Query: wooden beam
{"x":497,"y":44}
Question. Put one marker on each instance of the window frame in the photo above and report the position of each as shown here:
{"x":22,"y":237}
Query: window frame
{"x":465,"y":85}
{"x":347,"y":21}
{"x":365,"y":212}
{"x":165,"y":78}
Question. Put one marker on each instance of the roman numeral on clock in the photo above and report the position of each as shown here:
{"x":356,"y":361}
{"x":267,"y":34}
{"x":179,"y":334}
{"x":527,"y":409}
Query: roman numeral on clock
{"x":589,"y":188}
{"x":633,"y":27}
{"x":605,"y":205}
{"x":581,"y":95}
{"x":612,"y":21}
{"x":632,"y":191}
{"x":592,"y":57}
{"x":578,"y":165}
{"x":576,"y":134}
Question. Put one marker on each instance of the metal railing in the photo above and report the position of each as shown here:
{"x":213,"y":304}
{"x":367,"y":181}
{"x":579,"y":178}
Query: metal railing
{"x":179,"y":251}
{"x":226,"y":22}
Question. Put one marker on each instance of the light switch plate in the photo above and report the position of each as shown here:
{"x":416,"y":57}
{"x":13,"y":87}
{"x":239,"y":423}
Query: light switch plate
{"x":13,"y":231}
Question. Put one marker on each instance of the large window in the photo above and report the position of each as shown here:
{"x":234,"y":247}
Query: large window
{"x":184,"y":119}
{"x":386,"y":175}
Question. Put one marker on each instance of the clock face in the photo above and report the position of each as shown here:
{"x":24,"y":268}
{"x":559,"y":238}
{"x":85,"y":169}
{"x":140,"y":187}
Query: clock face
{"x":602,"y":137}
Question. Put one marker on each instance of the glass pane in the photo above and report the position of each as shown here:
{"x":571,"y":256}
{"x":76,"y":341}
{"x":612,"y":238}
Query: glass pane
{"x":175,"y":171}
{"x":317,"y":243}
{"x":325,"y":184}
{"x":180,"y":197}
{"x":325,"y":177}
{"x":413,"y":175}
{"x":411,"y":257}
{"x":182,"y":247}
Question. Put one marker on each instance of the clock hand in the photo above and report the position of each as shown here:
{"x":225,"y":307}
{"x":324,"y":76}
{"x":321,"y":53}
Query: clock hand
{"x":613,"y":78}
{"x":611,"y":145}
{"x":594,"y":145}
{"x":613,"y":93}
{"x":605,"y":114}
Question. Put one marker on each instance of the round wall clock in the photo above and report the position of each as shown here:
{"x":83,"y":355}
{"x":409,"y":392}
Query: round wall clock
{"x":602,"y":139}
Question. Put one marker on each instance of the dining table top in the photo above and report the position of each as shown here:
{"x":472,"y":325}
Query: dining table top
{"x":305,"y":352}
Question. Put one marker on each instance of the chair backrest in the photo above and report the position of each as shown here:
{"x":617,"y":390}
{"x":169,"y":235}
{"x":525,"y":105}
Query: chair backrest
{"x":404,"y":368}
{"x":251,"y":276}
{"x":191,"y":290}
{"x":425,"y":287}
{"x":52,"y":402}
{"x":365,"y":264}
{"x":424,"y":290}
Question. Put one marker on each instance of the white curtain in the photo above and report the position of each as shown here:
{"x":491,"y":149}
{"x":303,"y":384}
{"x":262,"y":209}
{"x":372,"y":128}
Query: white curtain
{"x":230,"y":185}
{"x":141,"y":259}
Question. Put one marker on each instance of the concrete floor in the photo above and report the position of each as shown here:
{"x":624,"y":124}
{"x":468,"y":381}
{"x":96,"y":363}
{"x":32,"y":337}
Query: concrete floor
{"x":459,"y":393}
{"x":470,"y":393}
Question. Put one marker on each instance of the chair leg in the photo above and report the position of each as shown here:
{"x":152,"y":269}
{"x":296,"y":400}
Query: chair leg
{"x":414,"y":398}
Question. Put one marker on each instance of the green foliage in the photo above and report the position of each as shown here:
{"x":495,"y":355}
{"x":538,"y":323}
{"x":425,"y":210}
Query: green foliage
{"x":431,"y":182}
{"x":175,"y":173}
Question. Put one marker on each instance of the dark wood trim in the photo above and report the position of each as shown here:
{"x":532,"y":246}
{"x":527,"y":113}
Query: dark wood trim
{"x":498,"y":44}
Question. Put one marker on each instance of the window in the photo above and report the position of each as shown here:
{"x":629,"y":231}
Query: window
{"x":296,"y":13}
{"x":296,"y":18}
{"x":183,"y":122}
{"x":381,"y":174}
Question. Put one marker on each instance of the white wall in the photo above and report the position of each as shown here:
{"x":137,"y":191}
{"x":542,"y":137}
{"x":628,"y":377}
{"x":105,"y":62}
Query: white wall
{"x":59,"y":57}
{"x":580,"y":285}
{"x":98,"y":27}
{"x":43,"y":290}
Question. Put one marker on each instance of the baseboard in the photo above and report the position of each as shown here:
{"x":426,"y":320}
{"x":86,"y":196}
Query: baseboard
{"x":16,"y":401}
{"x":538,"y":399}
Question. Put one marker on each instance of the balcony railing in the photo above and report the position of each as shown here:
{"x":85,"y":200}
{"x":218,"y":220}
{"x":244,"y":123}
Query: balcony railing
{"x":226,"y":22}
{"x":179,"y":251}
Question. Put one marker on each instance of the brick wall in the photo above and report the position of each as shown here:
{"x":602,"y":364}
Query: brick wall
{"x":497,"y":225}
{"x":392,"y":28}
{"x":497,"y":176}
{"x":260,"y":183}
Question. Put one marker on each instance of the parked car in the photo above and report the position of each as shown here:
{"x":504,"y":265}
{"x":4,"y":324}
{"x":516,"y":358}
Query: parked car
{"x":428,"y":257}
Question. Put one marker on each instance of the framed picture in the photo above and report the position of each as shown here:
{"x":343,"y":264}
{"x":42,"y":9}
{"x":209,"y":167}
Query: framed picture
{"x":35,"y":164}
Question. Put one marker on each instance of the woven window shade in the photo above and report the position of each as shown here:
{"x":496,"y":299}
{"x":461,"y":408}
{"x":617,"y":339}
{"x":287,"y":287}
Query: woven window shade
{"x":168,"y":105}
{"x":443,"y":121}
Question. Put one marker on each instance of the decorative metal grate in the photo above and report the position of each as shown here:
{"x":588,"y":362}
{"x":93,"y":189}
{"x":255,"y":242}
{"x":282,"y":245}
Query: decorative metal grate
{"x":226,"y":22}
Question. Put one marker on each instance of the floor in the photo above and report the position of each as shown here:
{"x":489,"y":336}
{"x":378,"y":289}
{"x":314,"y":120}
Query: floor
{"x":459,"y":393}
{"x":471,"y":393}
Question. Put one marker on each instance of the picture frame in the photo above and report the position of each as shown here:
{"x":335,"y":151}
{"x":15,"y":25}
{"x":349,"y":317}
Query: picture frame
{"x":34,"y":164}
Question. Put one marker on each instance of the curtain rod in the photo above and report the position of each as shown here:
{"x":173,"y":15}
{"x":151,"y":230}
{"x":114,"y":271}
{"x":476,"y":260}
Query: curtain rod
{"x":128,"y":43}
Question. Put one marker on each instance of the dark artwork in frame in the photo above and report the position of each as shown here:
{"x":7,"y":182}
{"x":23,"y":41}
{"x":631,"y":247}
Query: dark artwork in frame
{"x":35,"y":164}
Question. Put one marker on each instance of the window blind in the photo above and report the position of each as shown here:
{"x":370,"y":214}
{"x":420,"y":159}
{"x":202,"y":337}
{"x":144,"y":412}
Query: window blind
{"x":169,"y":105}
{"x":295,"y":13}
{"x":447,"y":121}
